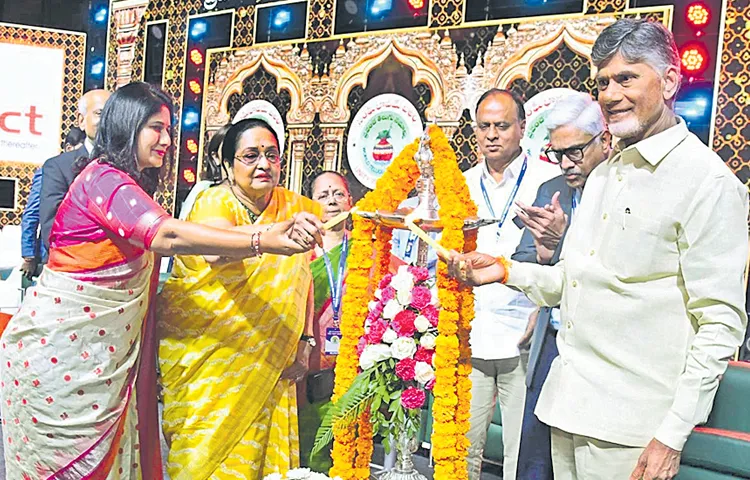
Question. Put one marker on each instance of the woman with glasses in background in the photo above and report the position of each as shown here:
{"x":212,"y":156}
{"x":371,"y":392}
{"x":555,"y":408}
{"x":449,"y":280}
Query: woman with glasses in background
{"x":236,"y":335}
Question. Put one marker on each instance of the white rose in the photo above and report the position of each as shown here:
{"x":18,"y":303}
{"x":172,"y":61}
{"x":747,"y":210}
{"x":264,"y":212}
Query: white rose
{"x":403,"y":297}
{"x":403,"y":280}
{"x":428,"y":341}
{"x":423,"y":372}
{"x":422,"y":324}
{"x":371,"y":306}
{"x":389,"y":336}
{"x":434,"y":300}
{"x":298,"y":473}
{"x":378,"y":294}
{"x":391,"y":309}
{"x":374,"y":354}
{"x":403,"y":347}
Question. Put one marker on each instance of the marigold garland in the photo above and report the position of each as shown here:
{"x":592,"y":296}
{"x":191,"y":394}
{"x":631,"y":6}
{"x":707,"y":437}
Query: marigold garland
{"x":351,"y":456}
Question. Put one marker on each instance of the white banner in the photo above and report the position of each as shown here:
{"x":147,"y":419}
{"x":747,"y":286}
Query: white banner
{"x":31,"y":102}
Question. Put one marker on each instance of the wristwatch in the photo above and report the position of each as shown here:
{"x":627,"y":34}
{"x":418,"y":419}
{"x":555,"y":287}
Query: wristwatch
{"x":309,"y":339}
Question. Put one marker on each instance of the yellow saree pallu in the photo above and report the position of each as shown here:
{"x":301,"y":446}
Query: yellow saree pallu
{"x":227,"y":332}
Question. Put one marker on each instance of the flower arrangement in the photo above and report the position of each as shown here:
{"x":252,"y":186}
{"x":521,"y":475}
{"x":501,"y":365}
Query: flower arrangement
{"x":396,"y":358}
{"x":299,"y":474}
{"x":451,"y":360}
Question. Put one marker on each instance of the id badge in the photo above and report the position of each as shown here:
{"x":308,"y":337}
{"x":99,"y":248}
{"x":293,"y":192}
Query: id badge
{"x":333,"y":340}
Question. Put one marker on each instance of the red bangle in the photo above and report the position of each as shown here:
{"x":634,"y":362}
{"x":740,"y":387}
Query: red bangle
{"x":506,"y":268}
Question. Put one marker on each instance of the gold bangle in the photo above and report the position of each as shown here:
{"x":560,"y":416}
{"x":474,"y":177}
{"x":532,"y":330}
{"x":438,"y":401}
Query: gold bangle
{"x":506,"y":268}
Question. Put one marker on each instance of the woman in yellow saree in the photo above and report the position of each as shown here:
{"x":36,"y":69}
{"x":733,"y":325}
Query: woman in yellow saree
{"x":232,"y":333}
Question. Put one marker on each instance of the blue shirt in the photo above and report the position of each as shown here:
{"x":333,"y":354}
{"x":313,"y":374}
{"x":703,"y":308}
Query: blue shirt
{"x":30,"y":244}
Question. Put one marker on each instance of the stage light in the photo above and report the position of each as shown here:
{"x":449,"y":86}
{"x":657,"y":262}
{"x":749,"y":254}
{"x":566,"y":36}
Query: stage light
{"x":196,"y":56}
{"x":189,"y":175}
{"x":192,"y":146}
{"x":97,"y":68}
{"x":198,"y":29}
{"x":380,"y":7}
{"x":694,"y":58}
{"x":100,"y":16}
{"x":191,"y":118}
{"x":281,"y":18}
{"x":416,"y":4}
{"x":698,"y":14}
{"x":195,"y":86}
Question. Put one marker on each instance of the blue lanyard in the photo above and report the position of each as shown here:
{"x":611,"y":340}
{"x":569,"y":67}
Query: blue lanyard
{"x":337,"y":284}
{"x":510,"y":200}
{"x":410,"y":245}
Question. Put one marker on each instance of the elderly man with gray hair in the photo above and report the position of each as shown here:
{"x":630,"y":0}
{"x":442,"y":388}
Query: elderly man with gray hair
{"x":650,"y":280}
{"x":579,"y":142}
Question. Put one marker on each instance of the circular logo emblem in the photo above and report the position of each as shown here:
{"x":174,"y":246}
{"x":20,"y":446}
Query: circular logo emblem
{"x":380,"y":130}
{"x":536,"y":137}
{"x":263,"y":110}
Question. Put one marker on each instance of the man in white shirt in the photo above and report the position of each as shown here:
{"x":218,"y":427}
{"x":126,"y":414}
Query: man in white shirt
{"x":651,"y":278}
{"x":506,"y":175}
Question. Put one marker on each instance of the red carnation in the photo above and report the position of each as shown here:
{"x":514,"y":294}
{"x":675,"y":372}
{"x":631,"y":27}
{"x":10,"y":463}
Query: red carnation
{"x":432,"y":314}
{"x":420,"y":297}
{"x":413,"y":398}
{"x":389,"y":293}
{"x":375,"y":335}
{"x":420,"y":274}
{"x":424,"y":355}
{"x":429,"y":385}
{"x":403,"y":324}
{"x":385,"y":282}
{"x":405,"y":369}
{"x":361,"y":346}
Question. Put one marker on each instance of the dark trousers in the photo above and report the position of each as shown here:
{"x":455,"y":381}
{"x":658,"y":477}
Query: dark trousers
{"x":535,"y":453}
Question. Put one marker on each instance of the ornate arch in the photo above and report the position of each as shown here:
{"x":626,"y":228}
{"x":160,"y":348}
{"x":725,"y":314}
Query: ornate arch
{"x":520,"y":64}
{"x":424,"y":71}
{"x":286,"y":80}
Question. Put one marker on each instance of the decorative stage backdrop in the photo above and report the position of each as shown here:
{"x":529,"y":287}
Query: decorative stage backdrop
{"x":215,"y":56}
{"x":41,"y":85}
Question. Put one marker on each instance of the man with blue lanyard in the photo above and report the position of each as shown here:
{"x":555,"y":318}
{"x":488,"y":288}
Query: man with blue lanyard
{"x":507,"y":175}
{"x":578,"y":143}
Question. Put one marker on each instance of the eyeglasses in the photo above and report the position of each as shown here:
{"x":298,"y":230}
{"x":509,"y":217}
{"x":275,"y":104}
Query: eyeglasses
{"x":338,"y":197}
{"x":574,"y":154}
{"x":251,"y":158}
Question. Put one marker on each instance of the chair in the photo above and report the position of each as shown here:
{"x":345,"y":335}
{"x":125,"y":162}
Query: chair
{"x":720,"y":449}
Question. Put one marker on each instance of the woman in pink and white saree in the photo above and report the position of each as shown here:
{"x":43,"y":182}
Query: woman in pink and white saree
{"x":77,"y":362}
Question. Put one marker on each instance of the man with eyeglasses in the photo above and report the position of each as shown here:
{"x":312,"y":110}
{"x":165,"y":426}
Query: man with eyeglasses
{"x":578,"y":143}
{"x":507,"y":174}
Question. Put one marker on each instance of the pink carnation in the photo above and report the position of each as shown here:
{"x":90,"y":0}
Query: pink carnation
{"x":420,"y":274}
{"x":420,"y":297}
{"x":430,"y":385}
{"x":389,"y":293}
{"x":424,"y":355}
{"x":432,"y":314}
{"x":405,"y":369}
{"x":375,"y":335}
{"x":413,"y":398}
{"x":403,"y":324}
{"x":361,"y":346}
{"x":385,"y":281}
{"x":378,"y":309}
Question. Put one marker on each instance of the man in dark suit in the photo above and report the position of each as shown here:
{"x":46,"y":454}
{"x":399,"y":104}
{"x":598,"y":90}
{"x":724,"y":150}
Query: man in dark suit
{"x":57,"y":172}
{"x":578,"y":142}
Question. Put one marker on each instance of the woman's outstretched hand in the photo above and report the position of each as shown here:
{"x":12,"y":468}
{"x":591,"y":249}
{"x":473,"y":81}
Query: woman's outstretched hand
{"x":296,"y":235}
{"x":474,"y":268}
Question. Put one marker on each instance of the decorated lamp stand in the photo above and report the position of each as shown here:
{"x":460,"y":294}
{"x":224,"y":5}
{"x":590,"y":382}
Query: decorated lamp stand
{"x":399,"y":341}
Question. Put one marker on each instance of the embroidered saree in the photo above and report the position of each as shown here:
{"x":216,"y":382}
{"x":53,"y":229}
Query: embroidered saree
{"x":227,"y":332}
{"x":78,"y":375}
